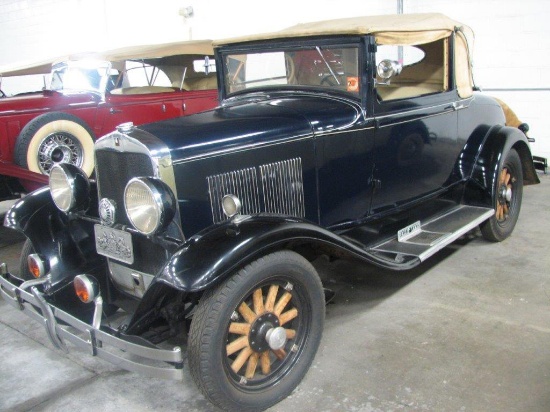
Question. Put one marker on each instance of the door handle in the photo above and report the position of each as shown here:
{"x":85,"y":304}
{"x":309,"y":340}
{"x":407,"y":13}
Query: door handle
{"x":114,"y":111}
{"x":457,"y":106}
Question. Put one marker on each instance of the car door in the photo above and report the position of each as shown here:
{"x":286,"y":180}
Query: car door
{"x":416,"y":142}
{"x":344,"y":162}
{"x":139,"y":108}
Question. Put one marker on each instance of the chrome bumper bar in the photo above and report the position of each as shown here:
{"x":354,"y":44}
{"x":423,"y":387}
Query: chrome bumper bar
{"x":59,"y":325}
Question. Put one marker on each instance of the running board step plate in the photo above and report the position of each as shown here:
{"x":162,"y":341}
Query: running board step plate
{"x":422,"y":240}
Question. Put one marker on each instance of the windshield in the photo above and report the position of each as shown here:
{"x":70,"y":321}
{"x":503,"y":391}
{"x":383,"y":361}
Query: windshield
{"x":332,"y":67}
{"x":80,"y":75}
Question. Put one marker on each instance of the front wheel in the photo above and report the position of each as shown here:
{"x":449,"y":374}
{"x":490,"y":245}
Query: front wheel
{"x":507,"y":200}
{"x":253,"y":338}
{"x":53,"y":138}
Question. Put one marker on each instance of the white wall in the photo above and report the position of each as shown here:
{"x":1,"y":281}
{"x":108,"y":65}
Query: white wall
{"x":511,"y":51}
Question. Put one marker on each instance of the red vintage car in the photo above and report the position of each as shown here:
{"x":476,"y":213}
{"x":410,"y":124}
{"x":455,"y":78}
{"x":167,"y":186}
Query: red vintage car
{"x":88,"y":95}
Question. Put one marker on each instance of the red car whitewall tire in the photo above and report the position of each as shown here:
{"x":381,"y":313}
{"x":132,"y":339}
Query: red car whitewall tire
{"x":55,"y":138}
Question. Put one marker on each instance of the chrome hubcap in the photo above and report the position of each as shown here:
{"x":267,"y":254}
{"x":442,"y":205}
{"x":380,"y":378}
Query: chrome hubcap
{"x":276,"y":338}
{"x":59,"y":148}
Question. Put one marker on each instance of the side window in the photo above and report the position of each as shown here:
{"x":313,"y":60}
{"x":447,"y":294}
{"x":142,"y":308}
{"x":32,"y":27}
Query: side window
{"x":139,"y":74}
{"x":425,"y":70}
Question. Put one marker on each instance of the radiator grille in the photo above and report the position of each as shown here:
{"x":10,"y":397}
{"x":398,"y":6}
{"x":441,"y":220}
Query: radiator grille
{"x":114,"y":170}
{"x":273,"y":188}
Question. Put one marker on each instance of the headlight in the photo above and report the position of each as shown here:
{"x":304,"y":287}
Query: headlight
{"x":70,"y":187}
{"x":150,"y":204}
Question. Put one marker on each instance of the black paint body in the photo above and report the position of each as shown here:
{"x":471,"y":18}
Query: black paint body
{"x":367,"y":167}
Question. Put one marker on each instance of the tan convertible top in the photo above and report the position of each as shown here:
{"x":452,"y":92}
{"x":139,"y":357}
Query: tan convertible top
{"x":405,"y":29}
{"x":398,"y":29}
{"x":149,"y":51}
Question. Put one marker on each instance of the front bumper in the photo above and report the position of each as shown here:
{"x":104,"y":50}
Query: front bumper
{"x":63,"y":327}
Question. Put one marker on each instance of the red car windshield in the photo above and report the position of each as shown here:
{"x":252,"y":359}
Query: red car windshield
{"x":81,"y":75}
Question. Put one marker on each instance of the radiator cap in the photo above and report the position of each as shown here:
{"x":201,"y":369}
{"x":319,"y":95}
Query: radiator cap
{"x":125,"y":127}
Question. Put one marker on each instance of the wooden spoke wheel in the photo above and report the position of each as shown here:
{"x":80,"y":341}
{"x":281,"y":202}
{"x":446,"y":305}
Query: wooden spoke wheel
{"x":262,"y":334}
{"x":507,"y":194}
{"x":253,"y":338}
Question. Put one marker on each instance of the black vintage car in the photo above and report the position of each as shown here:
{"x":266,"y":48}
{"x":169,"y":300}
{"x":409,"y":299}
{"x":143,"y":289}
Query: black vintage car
{"x":359,"y":137}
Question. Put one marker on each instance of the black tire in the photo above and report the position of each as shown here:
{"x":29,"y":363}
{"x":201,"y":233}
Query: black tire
{"x":24,"y":272}
{"x":55,"y":138}
{"x":266,"y":376}
{"x":508,"y":193}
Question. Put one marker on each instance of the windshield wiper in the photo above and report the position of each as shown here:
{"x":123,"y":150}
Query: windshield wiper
{"x":328,"y":65}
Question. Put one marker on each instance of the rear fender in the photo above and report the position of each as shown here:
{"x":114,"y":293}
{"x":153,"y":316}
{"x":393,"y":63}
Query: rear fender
{"x":499,"y":141}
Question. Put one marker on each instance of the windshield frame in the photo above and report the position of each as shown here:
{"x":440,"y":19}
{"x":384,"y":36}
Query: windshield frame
{"x":103,"y":67}
{"x":268,"y":46}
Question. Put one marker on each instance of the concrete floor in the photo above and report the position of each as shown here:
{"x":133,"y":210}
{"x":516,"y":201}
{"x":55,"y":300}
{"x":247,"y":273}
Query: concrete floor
{"x":467,"y":331}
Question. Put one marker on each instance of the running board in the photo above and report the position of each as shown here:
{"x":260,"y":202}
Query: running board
{"x":423,"y":239}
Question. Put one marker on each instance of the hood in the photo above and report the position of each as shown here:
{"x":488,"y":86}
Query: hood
{"x":46,"y":100}
{"x":253,"y":122}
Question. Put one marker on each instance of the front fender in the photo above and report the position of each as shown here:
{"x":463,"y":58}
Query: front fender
{"x":67,"y":244}
{"x":499,"y":141}
{"x":26,"y":213}
{"x":212,"y":255}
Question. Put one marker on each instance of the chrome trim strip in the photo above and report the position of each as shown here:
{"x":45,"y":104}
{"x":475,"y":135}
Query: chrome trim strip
{"x":339,"y":131}
{"x":224,"y":152}
{"x":449,"y":105}
{"x":454,"y":236}
{"x":416,"y":119}
{"x":238,"y":149}
{"x":94,"y":340}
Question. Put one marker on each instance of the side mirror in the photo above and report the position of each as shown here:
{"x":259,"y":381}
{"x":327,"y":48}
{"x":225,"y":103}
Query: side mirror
{"x":387,"y":69}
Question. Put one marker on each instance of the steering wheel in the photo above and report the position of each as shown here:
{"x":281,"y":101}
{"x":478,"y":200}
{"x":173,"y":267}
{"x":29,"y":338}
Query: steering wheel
{"x":290,"y":69}
{"x":332,"y":80}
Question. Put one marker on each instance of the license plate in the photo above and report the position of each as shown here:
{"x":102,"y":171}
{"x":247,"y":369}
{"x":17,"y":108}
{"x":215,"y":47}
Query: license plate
{"x":114,"y":243}
{"x":409,"y":231}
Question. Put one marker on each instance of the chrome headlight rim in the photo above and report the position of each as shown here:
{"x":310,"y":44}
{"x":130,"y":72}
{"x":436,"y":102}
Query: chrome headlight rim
{"x":74,"y":194}
{"x":163,"y":203}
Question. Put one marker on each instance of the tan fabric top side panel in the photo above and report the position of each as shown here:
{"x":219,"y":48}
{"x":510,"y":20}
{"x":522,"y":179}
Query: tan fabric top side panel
{"x":24,"y":69}
{"x":463,"y":66}
{"x":201,"y":47}
{"x":411,"y":38}
{"x":394,"y":23}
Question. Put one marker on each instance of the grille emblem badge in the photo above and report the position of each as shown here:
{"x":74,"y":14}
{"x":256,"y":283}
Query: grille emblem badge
{"x":107,"y":210}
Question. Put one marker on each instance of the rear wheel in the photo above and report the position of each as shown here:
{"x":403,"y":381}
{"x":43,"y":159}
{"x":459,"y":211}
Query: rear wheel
{"x":253,"y":338}
{"x":507,"y":200}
